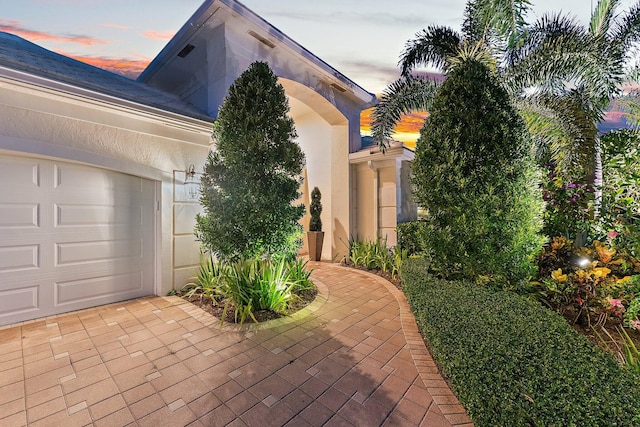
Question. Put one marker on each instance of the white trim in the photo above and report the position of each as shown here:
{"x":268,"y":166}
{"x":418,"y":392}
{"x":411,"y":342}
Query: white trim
{"x":102,"y":101}
{"x":157,"y":258}
{"x":398,"y":153}
{"x":31,"y":148}
{"x":376,"y":196}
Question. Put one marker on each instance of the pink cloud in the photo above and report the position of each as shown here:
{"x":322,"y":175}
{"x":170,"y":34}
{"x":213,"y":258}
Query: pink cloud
{"x":15,"y":27}
{"x":165,"y":35}
{"x":124,"y":66}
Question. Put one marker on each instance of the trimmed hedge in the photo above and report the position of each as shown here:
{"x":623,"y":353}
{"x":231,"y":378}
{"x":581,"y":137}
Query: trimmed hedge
{"x":512,"y":362}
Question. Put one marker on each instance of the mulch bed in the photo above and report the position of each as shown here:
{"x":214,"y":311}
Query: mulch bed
{"x":613,"y":346}
{"x":217,"y":308}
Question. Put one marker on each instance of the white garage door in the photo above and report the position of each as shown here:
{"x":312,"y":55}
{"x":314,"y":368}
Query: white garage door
{"x":71,"y":237}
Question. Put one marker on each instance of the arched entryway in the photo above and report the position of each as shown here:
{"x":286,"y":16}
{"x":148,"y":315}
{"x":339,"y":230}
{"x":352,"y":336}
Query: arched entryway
{"x":323,"y":135}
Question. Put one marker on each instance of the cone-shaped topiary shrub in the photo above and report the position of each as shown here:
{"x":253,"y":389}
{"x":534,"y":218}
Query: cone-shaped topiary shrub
{"x":252,"y":177}
{"x":474,"y":172}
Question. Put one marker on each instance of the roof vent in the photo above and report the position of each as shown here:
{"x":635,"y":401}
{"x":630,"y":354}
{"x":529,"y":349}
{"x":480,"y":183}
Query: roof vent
{"x":186,"y":50}
{"x":338,"y":87}
{"x":262,"y":39}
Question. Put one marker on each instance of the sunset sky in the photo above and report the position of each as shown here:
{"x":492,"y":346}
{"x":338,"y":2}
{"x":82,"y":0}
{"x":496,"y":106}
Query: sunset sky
{"x":360,"y":38}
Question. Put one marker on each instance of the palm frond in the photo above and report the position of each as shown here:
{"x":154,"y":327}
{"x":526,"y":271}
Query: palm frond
{"x":602,"y":17}
{"x":430,"y":46}
{"x":472,"y":51}
{"x":625,"y":31}
{"x":472,"y":27}
{"x":556,"y":49}
{"x":566,"y":123}
{"x":505,"y":18}
{"x":633,"y":73}
{"x":617,"y":49}
{"x":405,"y":95}
{"x":547,"y":130}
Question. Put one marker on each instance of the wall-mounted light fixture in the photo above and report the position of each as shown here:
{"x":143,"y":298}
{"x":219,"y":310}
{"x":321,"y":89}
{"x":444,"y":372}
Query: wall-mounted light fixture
{"x":191,"y":184}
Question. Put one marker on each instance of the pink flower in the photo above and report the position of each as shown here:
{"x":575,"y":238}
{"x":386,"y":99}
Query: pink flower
{"x":635,"y":324}
{"x":615,"y":303}
{"x":612,"y":234}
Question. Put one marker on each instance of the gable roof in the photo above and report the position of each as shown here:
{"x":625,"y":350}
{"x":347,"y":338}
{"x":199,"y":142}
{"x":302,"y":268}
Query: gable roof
{"x":213,"y":12}
{"x":19,"y":54}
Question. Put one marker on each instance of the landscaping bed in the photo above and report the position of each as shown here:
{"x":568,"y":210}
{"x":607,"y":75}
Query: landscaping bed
{"x":512,"y":362}
{"x":216,"y":308}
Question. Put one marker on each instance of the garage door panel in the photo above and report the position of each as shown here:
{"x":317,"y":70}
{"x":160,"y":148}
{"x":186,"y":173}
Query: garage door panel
{"x":23,"y":174}
{"x":18,"y":301}
{"x":97,"y":251}
{"x":19,"y":215}
{"x":19,"y":258}
{"x":74,"y":179}
{"x":98,"y":290}
{"x":96,"y":215}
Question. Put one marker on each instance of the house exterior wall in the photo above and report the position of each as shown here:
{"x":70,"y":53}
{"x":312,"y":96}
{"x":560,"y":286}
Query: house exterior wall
{"x":70,"y":125}
{"x":324,"y":104}
{"x":382,"y":193}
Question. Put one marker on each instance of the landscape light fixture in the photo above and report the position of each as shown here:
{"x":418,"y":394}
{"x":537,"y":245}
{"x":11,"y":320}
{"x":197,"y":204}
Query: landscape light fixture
{"x":583,"y":262}
{"x":579,"y":261}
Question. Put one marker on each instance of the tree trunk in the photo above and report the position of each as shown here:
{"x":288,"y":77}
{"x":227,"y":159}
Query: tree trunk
{"x":597,"y":178}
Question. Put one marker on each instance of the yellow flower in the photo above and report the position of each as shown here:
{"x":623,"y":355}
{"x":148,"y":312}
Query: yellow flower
{"x":600,"y":272}
{"x":625,"y":279}
{"x":558,"y":276}
{"x":583,"y":274}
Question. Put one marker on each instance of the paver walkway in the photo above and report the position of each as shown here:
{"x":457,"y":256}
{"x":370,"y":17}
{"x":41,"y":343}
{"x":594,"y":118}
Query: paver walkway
{"x":353,"y":357}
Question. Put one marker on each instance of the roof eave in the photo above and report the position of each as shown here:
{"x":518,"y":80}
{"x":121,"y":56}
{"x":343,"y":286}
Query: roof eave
{"x":186,"y":122}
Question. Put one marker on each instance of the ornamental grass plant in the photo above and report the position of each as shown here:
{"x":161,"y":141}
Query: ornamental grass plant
{"x":250,"y":285}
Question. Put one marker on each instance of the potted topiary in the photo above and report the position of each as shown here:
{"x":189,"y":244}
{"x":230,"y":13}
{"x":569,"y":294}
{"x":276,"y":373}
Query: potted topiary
{"x":315,"y":236}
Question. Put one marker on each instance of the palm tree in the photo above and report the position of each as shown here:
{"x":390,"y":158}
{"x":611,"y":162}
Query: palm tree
{"x":575,"y":72}
{"x":566,"y":108}
{"x":438,"y":46}
{"x":490,"y":27}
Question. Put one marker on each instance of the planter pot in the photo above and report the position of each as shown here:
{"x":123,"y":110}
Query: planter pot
{"x":315,"y":238}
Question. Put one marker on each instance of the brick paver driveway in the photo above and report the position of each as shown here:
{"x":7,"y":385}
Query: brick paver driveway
{"x":354,"y":357}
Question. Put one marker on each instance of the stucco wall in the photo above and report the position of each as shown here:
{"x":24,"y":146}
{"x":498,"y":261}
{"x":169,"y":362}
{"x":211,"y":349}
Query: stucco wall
{"x":140,"y":142}
{"x":365,"y":185}
{"x":326,"y":151}
{"x":381,"y":193}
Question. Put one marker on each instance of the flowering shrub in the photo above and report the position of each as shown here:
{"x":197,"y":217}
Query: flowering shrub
{"x":597,"y":282}
{"x":620,"y":209}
